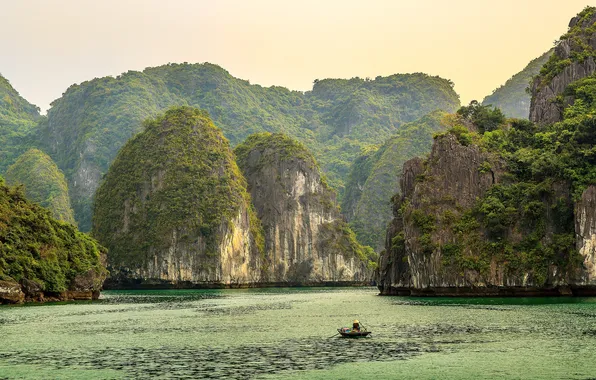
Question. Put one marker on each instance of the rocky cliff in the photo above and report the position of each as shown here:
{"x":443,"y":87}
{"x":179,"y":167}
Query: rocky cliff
{"x":44,"y":183}
{"x":463,"y":228}
{"x":41,"y":258}
{"x":585,"y":229}
{"x":572,"y":59}
{"x":173,"y":209}
{"x":505,"y":207}
{"x":306,"y":238}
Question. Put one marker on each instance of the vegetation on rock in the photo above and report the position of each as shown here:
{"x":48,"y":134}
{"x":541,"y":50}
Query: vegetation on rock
{"x":92,"y":121}
{"x":44,"y":183}
{"x":299,"y":213}
{"x":39,"y":251}
{"x":578,"y":38}
{"x":176,"y":182}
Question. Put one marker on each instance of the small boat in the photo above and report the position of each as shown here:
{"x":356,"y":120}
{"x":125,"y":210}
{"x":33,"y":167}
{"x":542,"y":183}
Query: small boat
{"x":346,"y":332}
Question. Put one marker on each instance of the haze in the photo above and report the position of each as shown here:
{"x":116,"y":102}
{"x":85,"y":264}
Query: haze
{"x":49,"y":45}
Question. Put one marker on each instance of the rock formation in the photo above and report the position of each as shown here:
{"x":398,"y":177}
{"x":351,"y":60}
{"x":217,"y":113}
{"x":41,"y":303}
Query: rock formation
{"x":91,"y":121}
{"x":43,"y":259}
{"x":505,"y":212}
{"x":306,"y":238}
{"x":585,"y":228}
{"x":173,"y":209}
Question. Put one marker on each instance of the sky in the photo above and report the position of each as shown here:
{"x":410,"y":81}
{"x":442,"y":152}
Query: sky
{"x":48,"y":45}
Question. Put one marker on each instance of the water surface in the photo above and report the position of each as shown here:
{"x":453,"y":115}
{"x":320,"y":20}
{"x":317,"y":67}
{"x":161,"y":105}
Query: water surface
{"x":288,"y":333}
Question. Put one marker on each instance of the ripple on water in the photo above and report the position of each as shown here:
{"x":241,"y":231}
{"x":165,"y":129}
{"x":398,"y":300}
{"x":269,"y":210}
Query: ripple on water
{"x":216,"y":362}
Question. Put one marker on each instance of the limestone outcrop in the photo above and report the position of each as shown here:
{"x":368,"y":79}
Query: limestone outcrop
{"x":306,"y":238}
{"x":173,"y":210}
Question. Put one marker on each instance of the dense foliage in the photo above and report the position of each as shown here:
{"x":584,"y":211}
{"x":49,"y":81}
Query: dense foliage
{"x":485,"y":118}
{"x":513,"y":98}
{"x":91,"y":121}
{"x":37,"y":248}
{"x":375,"y":175}
{"x":17,"y":119}
{"x":179,"y":175}
{"x":273,"y":147}
{"x":44,"y":183}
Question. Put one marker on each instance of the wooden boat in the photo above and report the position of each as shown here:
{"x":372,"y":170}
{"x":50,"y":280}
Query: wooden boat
{"x":347,"y":333}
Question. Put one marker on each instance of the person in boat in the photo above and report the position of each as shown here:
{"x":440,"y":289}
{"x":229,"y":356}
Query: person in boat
{"x":356,"y":326}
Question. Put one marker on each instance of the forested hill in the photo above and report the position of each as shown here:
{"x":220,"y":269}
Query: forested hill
{"x":87,"y":126}
{"x":512,"y":97}
{"x":375,"y":175}
{"x":17,"y":117}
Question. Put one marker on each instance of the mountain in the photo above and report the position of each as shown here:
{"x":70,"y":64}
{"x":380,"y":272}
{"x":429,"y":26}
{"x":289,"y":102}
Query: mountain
{"x":374,"y":178}
{"x":89,"y":124}
{"x":44,"y":183}
{"x":173,"y":209}
{"x":42,"y":258}
{"x":506,"y":207}
{"x":18,"y":118}
{"x":512,"y":97}
{"x":306,"y":237}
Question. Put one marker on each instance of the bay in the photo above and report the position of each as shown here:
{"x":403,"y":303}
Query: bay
{"x":288,"y":334}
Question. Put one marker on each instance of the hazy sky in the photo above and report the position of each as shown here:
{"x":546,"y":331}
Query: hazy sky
{"x":48,"y":45}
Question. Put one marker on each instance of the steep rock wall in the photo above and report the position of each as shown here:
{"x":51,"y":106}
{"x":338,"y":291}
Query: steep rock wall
{"x":429,"y":252}
{"x":585,"y":228}
{"x":174,"y":211}
{"x":306,"y":239}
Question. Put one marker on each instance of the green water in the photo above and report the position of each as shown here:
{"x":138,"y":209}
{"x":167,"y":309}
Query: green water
{"x":285,"y":333}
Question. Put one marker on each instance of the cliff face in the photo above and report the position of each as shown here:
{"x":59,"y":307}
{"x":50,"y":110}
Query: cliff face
{"x":41,"y":258}
{"x":173,"y":209}
{"x":573,"y":59}
{"x":306,"y":239}
{"x":444,"y":240}
{"x":434,"y":194}
{"x":585,"y":228}
{"x":506,"y":207}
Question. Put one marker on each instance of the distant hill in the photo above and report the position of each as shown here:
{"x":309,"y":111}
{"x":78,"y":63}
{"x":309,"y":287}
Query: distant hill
{"x":44,"y":183}
{"x":88,"y":125}
{"x":375,"y":175}
{"x":17,"y":118}
{"x":512,"y":97}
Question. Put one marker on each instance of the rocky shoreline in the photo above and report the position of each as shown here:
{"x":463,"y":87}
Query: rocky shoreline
{"x":516,"y":291}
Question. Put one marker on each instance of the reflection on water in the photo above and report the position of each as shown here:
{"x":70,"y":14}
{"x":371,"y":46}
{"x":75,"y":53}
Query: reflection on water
{"x":288,"y":333}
